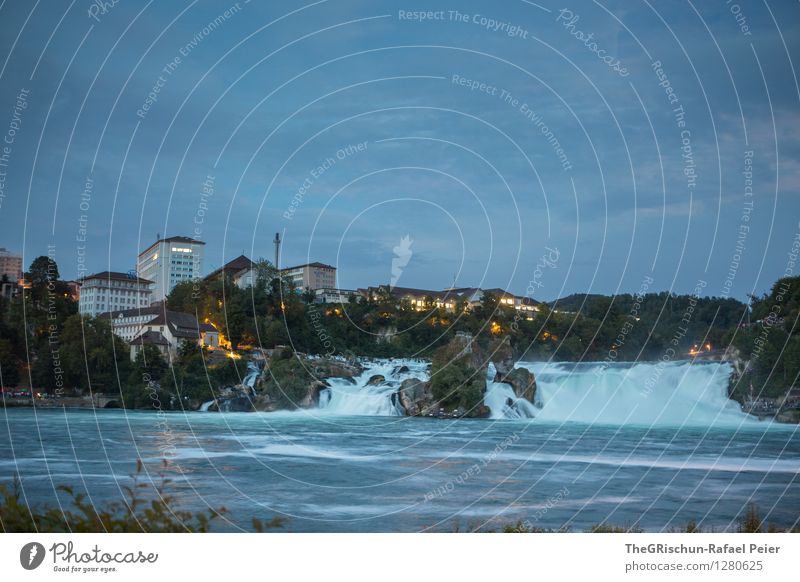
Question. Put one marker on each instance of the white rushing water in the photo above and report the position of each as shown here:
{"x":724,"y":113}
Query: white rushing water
{"x":252,"y":375}
{"x":354,"y":396}
{"x":502,"y":401}
{"x":205,"y":405}
{"x":643,"y":393}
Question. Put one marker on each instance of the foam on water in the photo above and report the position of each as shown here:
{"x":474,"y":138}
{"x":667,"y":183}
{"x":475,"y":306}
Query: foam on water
{"x":502,"y":401}
{"x":354,"y":397}
{"x":640,"y":393}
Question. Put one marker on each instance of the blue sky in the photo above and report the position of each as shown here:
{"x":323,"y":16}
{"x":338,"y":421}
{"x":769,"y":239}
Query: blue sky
{"x":261,"y":99}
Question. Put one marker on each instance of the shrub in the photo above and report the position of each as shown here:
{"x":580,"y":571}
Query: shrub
{"x":135,"y":514}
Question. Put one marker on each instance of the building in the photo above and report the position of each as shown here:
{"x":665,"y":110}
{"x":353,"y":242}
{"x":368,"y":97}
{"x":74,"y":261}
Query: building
{"x":311,"y":276}
{"x":241,"y":271}
{"x":10,"y":266}
{"x":169,"y":329}
{"x":9,"y":289}
{"x":449,"y":299}
{"x":170,"y":261}
{"x":112,"y":291}
{"x":333,"y":295}
{"x":127,"y":323}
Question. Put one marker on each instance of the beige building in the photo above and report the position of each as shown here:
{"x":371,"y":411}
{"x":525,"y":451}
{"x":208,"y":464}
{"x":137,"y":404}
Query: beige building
{"x":10,"y":266}
{"x":311,"y":276}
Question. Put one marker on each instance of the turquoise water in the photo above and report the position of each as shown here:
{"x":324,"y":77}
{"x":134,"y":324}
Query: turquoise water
{"x":339,"y":473}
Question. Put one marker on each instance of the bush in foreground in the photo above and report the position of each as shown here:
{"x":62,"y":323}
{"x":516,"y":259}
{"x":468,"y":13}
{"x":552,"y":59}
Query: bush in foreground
{"x":136,"y":514}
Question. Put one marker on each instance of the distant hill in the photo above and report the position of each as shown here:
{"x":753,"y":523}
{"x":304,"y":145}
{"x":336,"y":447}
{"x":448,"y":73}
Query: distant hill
{"x":573,"y":302}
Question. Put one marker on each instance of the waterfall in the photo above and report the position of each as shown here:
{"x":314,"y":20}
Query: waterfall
{"x":252,"y":375}
{"x":502,"y":401}
{"x":643,"y":393}
{"x":204,"y":406}
{"x":356,"y":397}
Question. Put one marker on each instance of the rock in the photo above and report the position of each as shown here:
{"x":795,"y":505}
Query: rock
{"x":236,"y":404}
{"x":502,"y":356}
{"x":523,"y":382}
{"x":400,"y":370}
{"x":376,"y":379}
{"x":311,"y":399}
{"x":415,"y":396}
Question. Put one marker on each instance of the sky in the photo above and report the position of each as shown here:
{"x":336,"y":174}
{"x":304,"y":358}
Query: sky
{"x":544,"y":148}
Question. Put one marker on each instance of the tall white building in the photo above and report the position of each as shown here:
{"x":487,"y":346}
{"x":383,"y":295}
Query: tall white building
{"x":170,"y":261}
{"x":110,"y":291}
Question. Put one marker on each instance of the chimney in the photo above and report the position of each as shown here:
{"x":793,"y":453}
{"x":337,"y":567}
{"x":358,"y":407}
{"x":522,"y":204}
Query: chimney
{"x":277,"y":242}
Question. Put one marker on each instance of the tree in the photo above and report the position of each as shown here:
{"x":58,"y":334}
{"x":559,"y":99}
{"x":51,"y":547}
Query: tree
{"x":183,"y":297}
{"x":42,"y":270}
{"x":265,"y":273}
{"x":9,"y":365}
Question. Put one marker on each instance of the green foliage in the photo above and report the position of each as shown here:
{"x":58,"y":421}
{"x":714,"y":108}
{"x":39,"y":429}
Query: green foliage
{"x":454,"y":383}
{"x":147,"y":509}
{"x":750,"y":521}
{"x":287,"y":381}
{"x":9,"y":365}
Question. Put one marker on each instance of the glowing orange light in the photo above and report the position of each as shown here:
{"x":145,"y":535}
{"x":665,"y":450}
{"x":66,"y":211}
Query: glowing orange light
{"x":495,"y":328}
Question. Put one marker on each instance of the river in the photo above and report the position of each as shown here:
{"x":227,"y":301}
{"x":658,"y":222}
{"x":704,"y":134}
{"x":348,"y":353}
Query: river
{"x":615,"y":448}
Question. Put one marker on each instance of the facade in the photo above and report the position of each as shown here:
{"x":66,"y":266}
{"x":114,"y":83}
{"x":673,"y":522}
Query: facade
{"x":241,"y":270}
{"x":333,"y":295}
{"x":10,"y":266}
{"x":311,"y":276}
{"x":169,"y":329}
{"x":170,"y":261}
{"x":127,"y":323}
{"x":112,"y":291}
{"x":9,"y":289}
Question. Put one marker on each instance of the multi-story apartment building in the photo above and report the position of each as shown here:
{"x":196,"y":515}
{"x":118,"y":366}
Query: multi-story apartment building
{"x":10,"y":266}
{"x":111,"y":291}
{"x":311,"y":276}
{"x":170,"y":261}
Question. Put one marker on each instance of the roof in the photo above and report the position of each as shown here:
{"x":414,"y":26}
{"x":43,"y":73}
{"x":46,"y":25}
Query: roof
{"x":136,"y":311}
{"x":177,"y":239}
{"x":114,"y":276}
{"x":315,"y":264}
{"x":240,"y":263}
{"x":406,"y":291}
{"x":182,"y":325}
{"x":151,"y":338}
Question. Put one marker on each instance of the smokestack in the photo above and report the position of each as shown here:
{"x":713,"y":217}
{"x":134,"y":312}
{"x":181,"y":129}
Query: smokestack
{"x":277,"y":242}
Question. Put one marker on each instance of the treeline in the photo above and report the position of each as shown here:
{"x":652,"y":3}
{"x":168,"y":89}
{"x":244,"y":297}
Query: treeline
{"x":46,"y":344}
{"x":769,"y":342}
